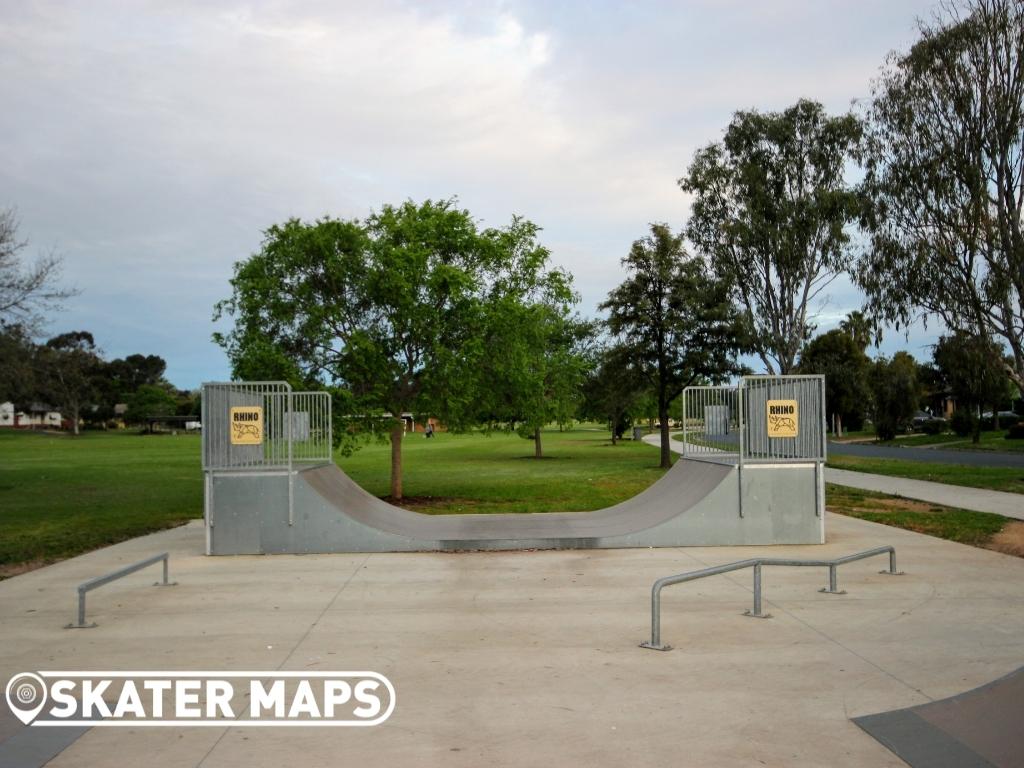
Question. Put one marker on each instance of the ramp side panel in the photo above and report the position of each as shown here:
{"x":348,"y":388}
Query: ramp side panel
{"x":695,"y":504}
{"x":242,"y":506}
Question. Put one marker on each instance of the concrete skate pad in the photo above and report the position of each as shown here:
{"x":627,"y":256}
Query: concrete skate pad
{"x":527,"y":658}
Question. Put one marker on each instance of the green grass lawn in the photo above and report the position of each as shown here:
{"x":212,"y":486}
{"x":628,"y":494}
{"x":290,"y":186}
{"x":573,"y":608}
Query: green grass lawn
{"x":62,"y":495}
{"x":497,"y":473}
{"x":993,"y":440}
{"x":995,"y":478}
{"x":962,"y":525}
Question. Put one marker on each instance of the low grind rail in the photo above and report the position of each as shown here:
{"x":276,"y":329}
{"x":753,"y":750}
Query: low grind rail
{"x":756,"y":564}
{"x":99,"y":581}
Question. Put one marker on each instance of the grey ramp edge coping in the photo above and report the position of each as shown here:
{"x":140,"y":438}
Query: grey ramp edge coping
{"x":680,"y":489}
{"x":980,"y":728}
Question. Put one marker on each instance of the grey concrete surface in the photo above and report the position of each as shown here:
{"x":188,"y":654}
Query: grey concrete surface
{"x":933,"y":455}
{"x":531,"y":658}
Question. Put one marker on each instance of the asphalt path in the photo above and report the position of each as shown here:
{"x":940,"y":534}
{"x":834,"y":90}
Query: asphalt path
{"x":932,"y":455}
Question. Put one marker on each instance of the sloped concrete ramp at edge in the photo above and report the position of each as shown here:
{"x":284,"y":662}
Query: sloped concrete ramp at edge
{"x":695,"y":504}
{"x":980,"y":728}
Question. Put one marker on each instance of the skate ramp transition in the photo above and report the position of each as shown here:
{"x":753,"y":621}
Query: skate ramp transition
{"x":271,"y":487}
{"x":980,"y":728}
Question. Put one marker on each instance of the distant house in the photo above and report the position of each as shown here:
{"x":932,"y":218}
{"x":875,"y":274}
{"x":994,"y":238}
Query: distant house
{"x":36,"y":416}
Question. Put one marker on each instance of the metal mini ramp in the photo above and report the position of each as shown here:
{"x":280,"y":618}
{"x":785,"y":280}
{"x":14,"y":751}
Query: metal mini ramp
{"x":285,"y":495}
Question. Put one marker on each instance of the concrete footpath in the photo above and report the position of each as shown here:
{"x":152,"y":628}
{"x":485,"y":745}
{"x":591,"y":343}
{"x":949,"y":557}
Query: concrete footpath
{"x":531,"y":658}
{"x":977,"y":499}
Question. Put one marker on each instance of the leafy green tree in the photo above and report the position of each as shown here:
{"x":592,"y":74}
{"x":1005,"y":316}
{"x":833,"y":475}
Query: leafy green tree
{"x":388,"y":313}
{"x":862,"y":329}
{"x":612,"y":389}
{"x":676,"y":321}
{"x":972,"y":369}
{"x":536,"y":367}
{"x":771,"y":210}
{"x":846,"y":368}
{"x":129,"y":373}
{"x":945,"y":177}
{"x":149,"y":403}
{"x":68,"y":366}
{"x":895,"y":394}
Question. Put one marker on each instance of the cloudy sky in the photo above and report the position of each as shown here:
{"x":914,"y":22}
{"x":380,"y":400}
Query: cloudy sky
{"x":151,"y":143}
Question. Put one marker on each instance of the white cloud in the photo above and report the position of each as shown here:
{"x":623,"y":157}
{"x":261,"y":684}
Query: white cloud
{"x":151,"y":143}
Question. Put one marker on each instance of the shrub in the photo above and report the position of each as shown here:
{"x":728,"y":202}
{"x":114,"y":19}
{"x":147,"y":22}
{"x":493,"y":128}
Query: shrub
{"x":1006,"y":420}
{"x":963,"y":422}
{"x":934,"y":426}
{"x":1016,"y":432}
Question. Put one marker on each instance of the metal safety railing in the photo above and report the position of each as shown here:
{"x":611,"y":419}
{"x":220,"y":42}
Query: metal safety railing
{"x":756,"y":563}
{"x":264,"y":425}
{"x":99,"y":581}
{"x":737,"y":423}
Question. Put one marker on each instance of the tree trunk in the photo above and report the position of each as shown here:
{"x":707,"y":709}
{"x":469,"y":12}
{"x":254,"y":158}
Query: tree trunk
{"x":995,"y":417}
{"x":397,"y":433}
{"x":538,"y":452}
{"x":74,"y":419}
{"x":666,"y":450}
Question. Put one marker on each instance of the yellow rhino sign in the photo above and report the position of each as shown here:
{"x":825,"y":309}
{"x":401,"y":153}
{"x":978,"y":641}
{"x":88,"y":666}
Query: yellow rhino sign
{"x":247,"y":425}
{"x":783,"y":418}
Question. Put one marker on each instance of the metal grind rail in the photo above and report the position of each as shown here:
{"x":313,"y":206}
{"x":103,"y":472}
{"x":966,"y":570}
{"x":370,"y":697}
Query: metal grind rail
{"x":99,"y":581}
{"x":756,"y":564}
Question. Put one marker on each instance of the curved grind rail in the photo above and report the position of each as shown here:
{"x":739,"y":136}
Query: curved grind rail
{"x":756,"y":564}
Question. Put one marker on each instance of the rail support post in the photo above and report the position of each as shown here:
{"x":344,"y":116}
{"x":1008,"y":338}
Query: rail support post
{"x":833,"y":579}
{"x":655,"y":642}
{"x":757,"y":613}
{"x":892,"y":564}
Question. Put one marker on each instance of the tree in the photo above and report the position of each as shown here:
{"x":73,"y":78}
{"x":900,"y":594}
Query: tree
{"x":388,"y":312}
{"x":148,"y":403}
{"x":536,"y":369}
{"x":612,"y":389}
{"x":945,"y":177}
{"x":972,"y":369}
{"x":770,"y":212}
{"x":133,"y":371}
{"x":846,"y":368}
{"x":862,"y":329}
{"x":69,"y":364}
{"x":18,"y":375}
{"x":895,"y":394}
{"x":675,"y":320}
{"x":25,"y":290}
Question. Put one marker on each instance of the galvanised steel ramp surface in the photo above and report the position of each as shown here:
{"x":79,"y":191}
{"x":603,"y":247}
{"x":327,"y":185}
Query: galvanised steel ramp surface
{"x":694,"y":504}
{"x":270,"y":485}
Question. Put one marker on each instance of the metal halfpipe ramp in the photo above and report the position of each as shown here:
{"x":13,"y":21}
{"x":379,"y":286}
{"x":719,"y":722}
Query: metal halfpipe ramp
{"x":981,"y":728}
{"x":271,"y":487}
